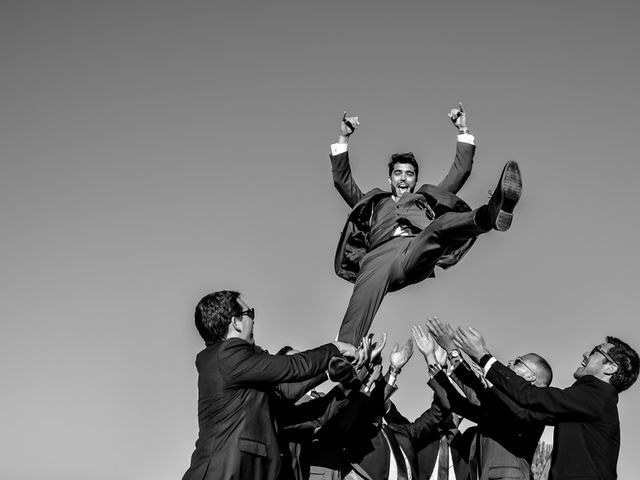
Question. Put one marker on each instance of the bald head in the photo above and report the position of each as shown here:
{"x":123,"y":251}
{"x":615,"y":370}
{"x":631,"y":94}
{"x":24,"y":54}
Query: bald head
{"x":533,"y":368}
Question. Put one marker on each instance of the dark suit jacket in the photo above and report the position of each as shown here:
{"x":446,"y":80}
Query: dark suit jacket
{"x":460,"y":447}
{"x":369,"y":453}
{"x":372,"y":455}
{"x":586,"y":439}
{"x":507,"y":434}
{"x":237,"y":438}
{"x":354,"y":244}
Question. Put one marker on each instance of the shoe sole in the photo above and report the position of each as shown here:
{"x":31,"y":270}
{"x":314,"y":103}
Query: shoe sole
{"x":511,"y":186}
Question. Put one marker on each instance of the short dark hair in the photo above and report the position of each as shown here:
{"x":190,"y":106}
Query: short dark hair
{"x":214,"y":313}
{"x":403,"y":158}
{"x":628,"y":364}
{"x":544,"y":372}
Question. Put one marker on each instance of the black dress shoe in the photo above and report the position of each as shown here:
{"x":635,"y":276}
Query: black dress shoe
{"x":505,"y":197}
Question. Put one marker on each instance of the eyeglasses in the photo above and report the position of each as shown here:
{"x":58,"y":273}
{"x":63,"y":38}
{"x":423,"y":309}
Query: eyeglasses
{"x":521,"y":361}
{"x":251,"y":313}
{"x":602,"y":352}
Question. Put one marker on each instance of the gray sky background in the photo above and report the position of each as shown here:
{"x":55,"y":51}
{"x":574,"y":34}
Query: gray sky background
{"x":153,"y":152}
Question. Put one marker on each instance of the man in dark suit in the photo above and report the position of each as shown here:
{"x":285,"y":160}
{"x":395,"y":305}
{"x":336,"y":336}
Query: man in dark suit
{"x":586,"y":440}
{"x":236,"y":379}
{"x":391,"y":447}
{"x":451,"y":442}
{"x":397,"y":238}
{"x":390,"y":450}
{"x":507,"y":434}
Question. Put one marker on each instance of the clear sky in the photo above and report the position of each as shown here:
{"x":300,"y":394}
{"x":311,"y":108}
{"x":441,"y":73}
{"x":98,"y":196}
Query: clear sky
{"x":153,"y":152}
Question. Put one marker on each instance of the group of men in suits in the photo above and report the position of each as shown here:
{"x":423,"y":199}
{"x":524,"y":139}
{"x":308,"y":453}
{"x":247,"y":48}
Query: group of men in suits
{"x":255,"y":421}
{"x":250,"y":415}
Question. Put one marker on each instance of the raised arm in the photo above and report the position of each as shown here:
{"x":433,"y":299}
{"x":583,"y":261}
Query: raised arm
{"x":557,"y":404}
{"x":340,"y":168}
{"x":465,"y":149}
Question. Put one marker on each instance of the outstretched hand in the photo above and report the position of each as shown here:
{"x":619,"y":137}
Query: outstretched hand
{"x":369,"y":351}
{"x":425,"y":342}
{"x":347,"y":350}
{"x":442,"y":332}
{"x":458,"y":117}
{"x":377,"y":348}
{"x":470,"y":341}
{"x":400,"y":356}
{"x":433,"y":353}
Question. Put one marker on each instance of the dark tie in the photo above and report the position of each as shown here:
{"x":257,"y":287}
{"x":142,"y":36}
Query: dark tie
{"x":443,"y":458}
{"x":397,"y":453}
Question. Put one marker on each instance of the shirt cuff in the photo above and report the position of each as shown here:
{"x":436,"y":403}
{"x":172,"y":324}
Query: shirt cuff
{"x":338,"y":148}
{"x":488,"y":365}
{"x":466,"y":138}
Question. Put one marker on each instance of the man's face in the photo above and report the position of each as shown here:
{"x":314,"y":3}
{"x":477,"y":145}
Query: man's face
{"x":403,"y":179}
{"x":247,"y":322}
{"x":593,"y":362}
{"x":523,"y":366}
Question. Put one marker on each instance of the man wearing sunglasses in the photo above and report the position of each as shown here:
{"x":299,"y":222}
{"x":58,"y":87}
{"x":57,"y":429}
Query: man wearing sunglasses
{"x":586,"y":439}
{"x":236,"y":381}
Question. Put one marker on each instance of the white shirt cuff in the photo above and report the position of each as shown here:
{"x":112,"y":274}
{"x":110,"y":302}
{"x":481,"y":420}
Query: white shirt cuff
{"x":338,"y":148}
{"x":467,"y":138}
{"x":488,"y":365}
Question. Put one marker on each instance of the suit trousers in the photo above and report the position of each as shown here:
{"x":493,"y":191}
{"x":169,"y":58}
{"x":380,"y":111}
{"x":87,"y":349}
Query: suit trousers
{"x":400,"y":262}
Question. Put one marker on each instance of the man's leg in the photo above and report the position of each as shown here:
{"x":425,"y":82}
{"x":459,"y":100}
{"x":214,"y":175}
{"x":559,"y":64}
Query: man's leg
{"x":426,"y":248}
{"x":372,"y":284}
{"x":453,"y":228}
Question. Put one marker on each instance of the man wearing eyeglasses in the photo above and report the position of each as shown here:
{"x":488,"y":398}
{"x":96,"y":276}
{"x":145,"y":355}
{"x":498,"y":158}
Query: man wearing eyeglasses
{"x":236,"y":380}
{"x":585,"y":415}
{"x":507,"y":435}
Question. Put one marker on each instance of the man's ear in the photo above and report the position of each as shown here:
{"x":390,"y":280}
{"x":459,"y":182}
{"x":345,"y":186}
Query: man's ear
{"x":389,"y":180}
{"x":530,"y":377}
{"x":236,"y":324}
{"x":610,"y":369}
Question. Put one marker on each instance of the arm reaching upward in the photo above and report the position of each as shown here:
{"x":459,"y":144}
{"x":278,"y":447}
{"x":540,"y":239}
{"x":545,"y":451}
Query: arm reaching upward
{"x":340,"y":168}
{"x":465,"y":149}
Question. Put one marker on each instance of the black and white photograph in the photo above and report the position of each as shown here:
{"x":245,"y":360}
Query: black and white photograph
{"x":340,"y":240}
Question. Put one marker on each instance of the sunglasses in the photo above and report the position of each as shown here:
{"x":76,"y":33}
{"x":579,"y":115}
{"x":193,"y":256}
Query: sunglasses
{"x":601,"y":351}
{"x":251,"y":313}
{"x":520,"y":361}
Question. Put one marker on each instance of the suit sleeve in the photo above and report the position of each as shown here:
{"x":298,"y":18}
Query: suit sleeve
{"x":312,"y":414}
{"x":581,"y":401}
{"x":242,"y":364}
{"x":426,"y":425}
{"x":343,"y":181}
{"x":459,"y":404}
{"x":520,"y":413}
{"x":469,"y":382}
{"x":294,"y":391}
{"x":460,"y":169}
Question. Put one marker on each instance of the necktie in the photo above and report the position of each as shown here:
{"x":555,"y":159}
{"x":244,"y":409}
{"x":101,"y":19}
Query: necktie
{"x":443,"y":458}
{"x":397,"y":453}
